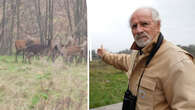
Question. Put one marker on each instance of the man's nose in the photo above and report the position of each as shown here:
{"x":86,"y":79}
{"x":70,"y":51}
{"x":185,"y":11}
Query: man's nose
{"x":139,"y":29}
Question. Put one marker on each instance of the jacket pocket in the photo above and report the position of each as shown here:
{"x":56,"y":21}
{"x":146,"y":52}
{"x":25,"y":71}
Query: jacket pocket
{"x":146,"y":94}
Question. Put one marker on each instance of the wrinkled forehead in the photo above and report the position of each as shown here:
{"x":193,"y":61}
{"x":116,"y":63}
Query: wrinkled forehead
{"x":141,"y":14}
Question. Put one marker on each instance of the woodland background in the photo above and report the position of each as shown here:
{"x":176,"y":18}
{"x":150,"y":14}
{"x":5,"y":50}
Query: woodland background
{"x":44,"y":19}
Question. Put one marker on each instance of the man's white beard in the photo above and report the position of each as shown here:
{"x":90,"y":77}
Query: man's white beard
{"x":141,"y":42}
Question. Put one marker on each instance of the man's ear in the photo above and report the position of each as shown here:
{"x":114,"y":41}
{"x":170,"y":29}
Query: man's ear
{"x":159,"y":23}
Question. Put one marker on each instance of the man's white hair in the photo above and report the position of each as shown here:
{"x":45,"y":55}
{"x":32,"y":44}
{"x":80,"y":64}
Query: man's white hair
{"x":155,"y":14}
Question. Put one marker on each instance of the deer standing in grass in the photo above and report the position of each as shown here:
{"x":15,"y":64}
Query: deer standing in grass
{"x":70,"y":52}
{"x":54,"y":50}
{"x":21,"y":45}
{"x":36,"y":49}
{"x":39,"y":49}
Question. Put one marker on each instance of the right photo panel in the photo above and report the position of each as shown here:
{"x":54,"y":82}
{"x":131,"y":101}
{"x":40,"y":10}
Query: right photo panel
{"x":141,"y":54}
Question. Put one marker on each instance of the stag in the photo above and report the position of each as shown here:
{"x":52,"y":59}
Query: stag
{"x":39,"y":49}
{"x":71,"y":42}
{"x":21,"y":45}
{"x":70,"y":52}
{"x":32,"y":50}
{"x":54,"y":50}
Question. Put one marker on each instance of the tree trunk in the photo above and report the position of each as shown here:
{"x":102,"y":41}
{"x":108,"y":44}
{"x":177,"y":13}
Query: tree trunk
{"x":46,"y":23}
{"x":67,"y":9}
{"x":39,"y":19}
{"x":50,"y":22}
{"x":13,"y":9}
{"x":18,"y":18}
{"x":2,"y":37}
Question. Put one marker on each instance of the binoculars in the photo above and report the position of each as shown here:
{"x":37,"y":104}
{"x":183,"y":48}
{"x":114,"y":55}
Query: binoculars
{"x":129,"y":101}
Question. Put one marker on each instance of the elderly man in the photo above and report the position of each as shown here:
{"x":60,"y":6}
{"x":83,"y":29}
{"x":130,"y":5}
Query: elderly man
{"x":161,"y":75}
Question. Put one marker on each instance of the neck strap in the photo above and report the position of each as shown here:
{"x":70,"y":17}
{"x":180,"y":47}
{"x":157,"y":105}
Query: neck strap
{"x":153,"y":52}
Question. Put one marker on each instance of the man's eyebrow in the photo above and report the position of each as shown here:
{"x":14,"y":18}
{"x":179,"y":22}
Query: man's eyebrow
{"x":144,"y":22}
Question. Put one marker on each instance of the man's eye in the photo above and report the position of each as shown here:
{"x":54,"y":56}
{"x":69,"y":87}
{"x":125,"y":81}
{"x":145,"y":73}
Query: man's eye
{"x":144,"y":24}
{"x":134,"y":26}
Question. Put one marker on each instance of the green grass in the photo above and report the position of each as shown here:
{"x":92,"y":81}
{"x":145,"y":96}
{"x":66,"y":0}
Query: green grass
{"x":42,"y":85}
{"x":107,"y":84}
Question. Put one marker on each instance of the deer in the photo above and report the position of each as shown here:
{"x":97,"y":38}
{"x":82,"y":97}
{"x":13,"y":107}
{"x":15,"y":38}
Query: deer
{"x":71,"y":42}
{"x":39,"y":49}
{"x":32,"y":50}
{"x":68,"y":53}
{"x":54,"y":49}
{"x":21,"y":45}
{"x":54,"y":52}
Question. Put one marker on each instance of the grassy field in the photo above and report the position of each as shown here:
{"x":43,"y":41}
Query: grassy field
{"x":107,"y":84}
{"x":42,"y":85}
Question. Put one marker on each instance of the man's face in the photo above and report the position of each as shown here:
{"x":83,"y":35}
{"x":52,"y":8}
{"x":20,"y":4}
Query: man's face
{"x":143,"y":27}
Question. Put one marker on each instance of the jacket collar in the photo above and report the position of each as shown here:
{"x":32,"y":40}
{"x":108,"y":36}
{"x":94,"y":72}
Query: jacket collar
{"x":147,"y":49}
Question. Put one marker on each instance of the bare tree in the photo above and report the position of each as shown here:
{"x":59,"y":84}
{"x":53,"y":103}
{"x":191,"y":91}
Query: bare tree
{"x":46,"y":21}
{"x":3,"y":29}
{"x":6,"y":36}
{"x":39,"y":19}
{"x":67,"y":9}
{"x":18,"y":18}
{"x":11,"y":35}
{"x":50,"y":19}
{"x":77,"y":18}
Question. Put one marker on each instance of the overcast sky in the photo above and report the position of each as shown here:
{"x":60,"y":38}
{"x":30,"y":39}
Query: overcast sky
{"x":108,"y":21}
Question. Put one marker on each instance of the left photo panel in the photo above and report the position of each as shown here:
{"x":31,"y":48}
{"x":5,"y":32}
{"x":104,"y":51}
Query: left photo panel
{"x":43,"y":55}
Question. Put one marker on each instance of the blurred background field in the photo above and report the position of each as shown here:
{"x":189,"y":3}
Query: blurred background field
{"x":107,"y":84}
{"x":42,"y":85}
